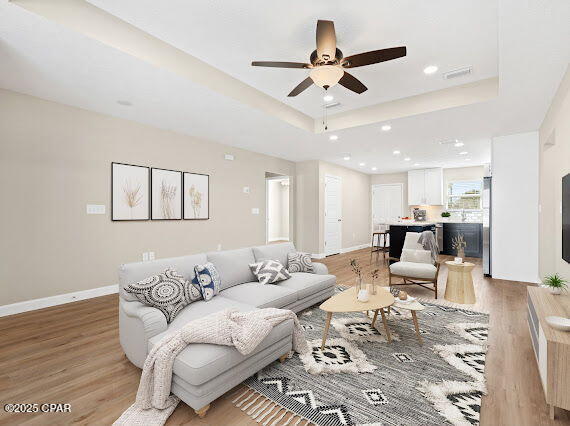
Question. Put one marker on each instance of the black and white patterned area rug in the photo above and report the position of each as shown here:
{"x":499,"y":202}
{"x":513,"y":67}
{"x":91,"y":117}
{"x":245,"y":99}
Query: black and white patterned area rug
{"x":361,"y":379}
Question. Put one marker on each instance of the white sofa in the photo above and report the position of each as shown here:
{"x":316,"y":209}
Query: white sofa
{"x":202,"y":372}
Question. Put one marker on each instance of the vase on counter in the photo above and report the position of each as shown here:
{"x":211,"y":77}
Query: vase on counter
{"x":461,"y":253}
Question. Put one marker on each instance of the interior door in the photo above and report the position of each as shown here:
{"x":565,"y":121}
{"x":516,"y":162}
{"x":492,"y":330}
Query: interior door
{"x":386,"y":202}
{"x":333,"y":215}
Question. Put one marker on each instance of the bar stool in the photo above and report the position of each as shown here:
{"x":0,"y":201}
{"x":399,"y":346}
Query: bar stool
{"x":379,"y":235}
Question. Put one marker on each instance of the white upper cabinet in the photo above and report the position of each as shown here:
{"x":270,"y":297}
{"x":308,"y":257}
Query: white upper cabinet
{"x":425,"y":187}
{"x":434,"y":186}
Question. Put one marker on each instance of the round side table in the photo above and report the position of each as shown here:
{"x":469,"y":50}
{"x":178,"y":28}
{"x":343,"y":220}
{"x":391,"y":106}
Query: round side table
{"x":459,"y":287}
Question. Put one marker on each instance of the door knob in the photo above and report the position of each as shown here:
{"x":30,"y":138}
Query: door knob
{"x":340,"y":220}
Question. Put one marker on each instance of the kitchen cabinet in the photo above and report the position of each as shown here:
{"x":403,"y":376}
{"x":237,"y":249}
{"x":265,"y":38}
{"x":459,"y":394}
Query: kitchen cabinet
{"x":425,"y":187}
{"x":472,"y":233}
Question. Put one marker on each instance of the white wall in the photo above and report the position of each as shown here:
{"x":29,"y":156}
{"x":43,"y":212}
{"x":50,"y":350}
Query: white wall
{"x":515,"y":207}
{"x":277,"y":210}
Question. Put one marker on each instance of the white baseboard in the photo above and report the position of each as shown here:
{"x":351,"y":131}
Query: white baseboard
{"x":60,"y":299}
{"x":342,"y":250}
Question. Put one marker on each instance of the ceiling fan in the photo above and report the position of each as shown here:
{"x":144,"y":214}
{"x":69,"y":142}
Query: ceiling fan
{"x":328,"y":64}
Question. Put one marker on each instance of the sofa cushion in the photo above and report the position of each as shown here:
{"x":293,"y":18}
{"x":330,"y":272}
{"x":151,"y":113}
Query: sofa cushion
{"x":269,"y":271}
{"x":260,"y":295}
{"x":305,"y":284}
{"x":201,"y":362}
{"x":137,"y":271}
{"x":233,"y":266}
{"x":168,"y":292}
{"x":414,"y":270}
{"x":274,"y":252}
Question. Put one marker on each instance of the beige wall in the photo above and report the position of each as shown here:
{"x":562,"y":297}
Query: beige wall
{"x":554,"y":164}
{"x":356,"y":210}
{"x":449,"y":175}
{"x":307,"y":206}
{"x":55,"y":159}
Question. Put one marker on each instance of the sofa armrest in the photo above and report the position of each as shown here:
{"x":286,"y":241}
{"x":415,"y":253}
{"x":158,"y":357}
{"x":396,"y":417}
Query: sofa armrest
{"x":137,"y":324}
{"x":320,"y":268}
{"x":153,"y":321}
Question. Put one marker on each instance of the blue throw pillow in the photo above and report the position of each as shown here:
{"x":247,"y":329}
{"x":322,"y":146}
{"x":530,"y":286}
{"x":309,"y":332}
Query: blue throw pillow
{"x":208,"y":279}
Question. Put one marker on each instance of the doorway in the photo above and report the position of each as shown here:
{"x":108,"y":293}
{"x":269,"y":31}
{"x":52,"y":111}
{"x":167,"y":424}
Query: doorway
{"x":333,"y":215}
{"x":387,"y":202}
{"x":277,"y":208}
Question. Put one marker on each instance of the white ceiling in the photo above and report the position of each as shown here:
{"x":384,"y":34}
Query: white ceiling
{"x":229,"y":35}
{"x":44,"y":59}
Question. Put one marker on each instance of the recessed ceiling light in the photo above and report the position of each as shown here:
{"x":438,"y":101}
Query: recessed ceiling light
{"x":124,"y":103}
{"x":407,"y":159}
{"x":430,"y":69}
{"x":333,"y":137}
{"x":416,"y":164}
{"x":328,"y":98}
{"x":362,"y":164}
{"x":396,"y":152}
{"x":346,"y":157}
{"x":386,"y":127}
{"x":458,"y":144}
{"x":463,"y":153}
{"x":374,"y":169}
{"x":468,"y":159}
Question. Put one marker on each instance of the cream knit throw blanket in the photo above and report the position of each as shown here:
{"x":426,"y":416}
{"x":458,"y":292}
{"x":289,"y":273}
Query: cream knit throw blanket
{"x":244,"y":330}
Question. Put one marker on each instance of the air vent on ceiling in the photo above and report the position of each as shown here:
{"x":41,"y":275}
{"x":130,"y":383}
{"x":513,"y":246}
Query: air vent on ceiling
{"x":332,"y":105}
{"x":457,"y":73}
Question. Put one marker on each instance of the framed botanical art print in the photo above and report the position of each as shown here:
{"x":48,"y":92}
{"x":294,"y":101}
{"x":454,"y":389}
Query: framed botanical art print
{"x":196,"y":200}
{"x":166,"y":194}
{"x":130,"y":194}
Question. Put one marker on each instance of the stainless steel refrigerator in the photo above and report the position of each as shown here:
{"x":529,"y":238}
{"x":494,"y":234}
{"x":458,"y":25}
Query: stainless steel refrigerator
{"x":486,"y":203}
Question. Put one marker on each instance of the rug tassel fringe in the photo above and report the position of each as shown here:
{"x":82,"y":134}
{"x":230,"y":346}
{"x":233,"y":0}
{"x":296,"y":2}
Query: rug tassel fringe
{"x":266,"y":411}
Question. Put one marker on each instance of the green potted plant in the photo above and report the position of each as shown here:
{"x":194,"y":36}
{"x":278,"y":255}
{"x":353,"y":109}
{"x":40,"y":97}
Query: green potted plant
{"x":445,"y":214}
{"x":555,"y":283}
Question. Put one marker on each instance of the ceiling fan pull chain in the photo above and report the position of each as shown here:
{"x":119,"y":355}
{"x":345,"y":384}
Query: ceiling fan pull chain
{"x":325,"y":124}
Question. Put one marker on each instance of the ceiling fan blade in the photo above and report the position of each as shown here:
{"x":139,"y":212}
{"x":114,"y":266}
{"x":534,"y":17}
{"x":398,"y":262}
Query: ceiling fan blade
{"x":280,"y":64}
{"x":302,"y":86}
{"x":326,"y":40}
{"x":373,"y":57}
{"x":352,"y":83}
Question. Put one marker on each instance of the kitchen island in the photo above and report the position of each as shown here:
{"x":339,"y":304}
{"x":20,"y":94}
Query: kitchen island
{"x":398,"y":231}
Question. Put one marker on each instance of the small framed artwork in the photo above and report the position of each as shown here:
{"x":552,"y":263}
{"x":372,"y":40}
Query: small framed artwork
{"x":166,"y":194}
{"x":130,"y":192}
{"x":196,"y":200}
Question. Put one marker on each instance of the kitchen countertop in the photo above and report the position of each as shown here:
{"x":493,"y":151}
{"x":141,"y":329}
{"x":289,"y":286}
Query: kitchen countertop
{"x":426,"y":223}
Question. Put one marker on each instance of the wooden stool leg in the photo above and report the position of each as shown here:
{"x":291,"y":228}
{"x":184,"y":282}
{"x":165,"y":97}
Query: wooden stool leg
{"x":386,"y":329}
{"x":202,"y":411}
{"x":282,"y":358}
{"x":326,"y":330}
{"x":417,"y":327}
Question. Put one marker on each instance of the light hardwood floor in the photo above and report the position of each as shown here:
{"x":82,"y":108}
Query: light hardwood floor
{"x":71,"y":354}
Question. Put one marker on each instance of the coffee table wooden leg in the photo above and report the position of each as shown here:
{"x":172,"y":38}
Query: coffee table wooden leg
{"x":326,"y":330}
{"x":417,"y":327}
{"x":375,"y":316}
{"x":386,"y":329}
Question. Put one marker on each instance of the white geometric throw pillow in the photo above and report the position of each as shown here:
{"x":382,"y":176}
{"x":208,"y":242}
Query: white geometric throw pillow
{"x":299,"y":262}
{"x":168,"y":292}
{"x":269,"y":271}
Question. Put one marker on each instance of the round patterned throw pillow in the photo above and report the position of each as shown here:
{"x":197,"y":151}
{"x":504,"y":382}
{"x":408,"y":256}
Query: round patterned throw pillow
{"x":299,"y":262}
{"x":169,"y":292}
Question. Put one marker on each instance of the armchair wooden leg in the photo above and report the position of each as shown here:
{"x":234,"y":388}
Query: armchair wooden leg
{"x":435,"y":288}
{"x":283,"y":357}
{"x":202,"y":411}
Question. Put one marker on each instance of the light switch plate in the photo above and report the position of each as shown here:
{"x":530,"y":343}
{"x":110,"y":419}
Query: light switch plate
{"x":95,"y":209}
{"x":150,"y":255}
{"x":229,"y":157}
{"x":255,"y":210}
{"x":246,"y":189}
{"x":145,"y":256}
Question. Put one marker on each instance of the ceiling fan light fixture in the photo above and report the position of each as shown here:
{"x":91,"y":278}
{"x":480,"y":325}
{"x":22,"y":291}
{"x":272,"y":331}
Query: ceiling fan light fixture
{"x":326,"y":75}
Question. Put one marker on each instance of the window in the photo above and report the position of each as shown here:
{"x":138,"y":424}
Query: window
{"x":464,"y":195}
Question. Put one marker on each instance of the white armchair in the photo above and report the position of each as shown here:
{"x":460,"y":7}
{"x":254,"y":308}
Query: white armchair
{"x":415,"y":265}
